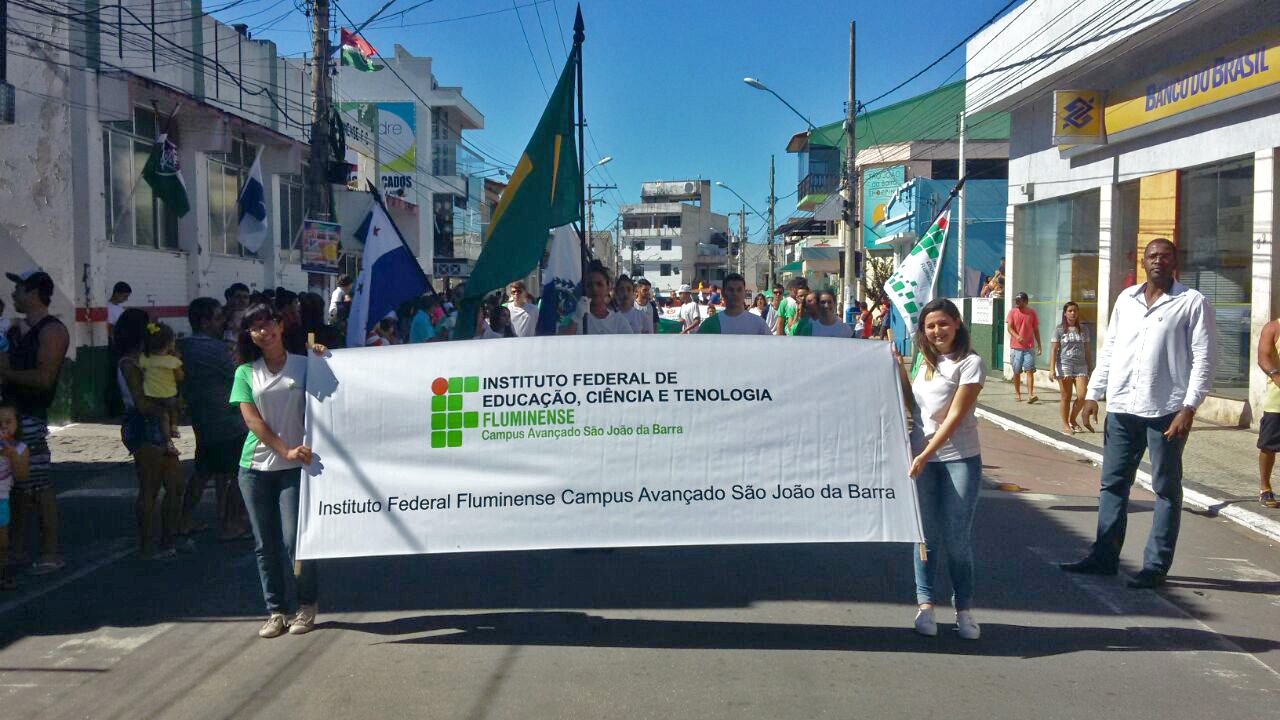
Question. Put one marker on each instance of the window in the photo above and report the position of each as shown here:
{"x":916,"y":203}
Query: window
{"x":1215,"y":253}
{"x":134,"y":216}
{"x":1056,"y":260}
{"x":227,"y":172}
{"x":637,"y":245}
{"x":666,"y":244}
{"x":664,"y":269}
{"x":637,"y":270}
{"x":291,"y":213}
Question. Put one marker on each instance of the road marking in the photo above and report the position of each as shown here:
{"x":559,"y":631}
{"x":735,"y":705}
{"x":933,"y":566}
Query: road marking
{"x":121,"y":548}
{"x":101,"y":640}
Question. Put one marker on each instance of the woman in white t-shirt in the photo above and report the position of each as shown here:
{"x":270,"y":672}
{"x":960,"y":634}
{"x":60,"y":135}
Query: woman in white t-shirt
{"x":597,"y":318}
{"x":270,"y":390}
{"x":948,"y":462}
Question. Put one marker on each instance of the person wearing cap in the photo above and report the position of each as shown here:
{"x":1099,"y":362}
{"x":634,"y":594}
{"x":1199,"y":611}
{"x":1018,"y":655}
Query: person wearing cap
{"x":690,"y":318}
{"x":1024,"y":344}
{"x":30,"y":380}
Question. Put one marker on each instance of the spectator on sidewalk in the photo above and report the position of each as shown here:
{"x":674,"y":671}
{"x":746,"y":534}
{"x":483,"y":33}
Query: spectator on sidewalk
{"x":14,"y":461}
{"x":30,"y":381}
{"x":115,"y":305}
{"x":340,"y":296}
{"x":1024,"y":345}
{"x":948,"y":460}
{"x":119,"y":296}
{"x":218,"y":427}
{"x":238,"y":298}
{"x":1069,"y":358}
{"x":269,"y":391}
{"x":1154,"y":369}
{"x":145,"y":439}
{"x":1269,"y":428}
{"x":312,"y":316}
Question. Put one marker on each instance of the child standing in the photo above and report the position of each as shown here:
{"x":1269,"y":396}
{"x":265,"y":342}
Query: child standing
{"x":161,"y":373}
{"x":14,"y":460}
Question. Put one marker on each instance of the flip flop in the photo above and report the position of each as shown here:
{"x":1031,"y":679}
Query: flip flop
{"x":1267,"y":498}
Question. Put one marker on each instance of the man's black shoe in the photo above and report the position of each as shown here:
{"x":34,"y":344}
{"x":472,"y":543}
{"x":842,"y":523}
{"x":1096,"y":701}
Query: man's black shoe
{"x":1147,"y":579}
{"x":1088,"y":566}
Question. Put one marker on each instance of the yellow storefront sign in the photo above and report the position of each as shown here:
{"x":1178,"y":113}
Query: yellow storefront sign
{"x":1237,"y":69}
{"x":1078,"y":117}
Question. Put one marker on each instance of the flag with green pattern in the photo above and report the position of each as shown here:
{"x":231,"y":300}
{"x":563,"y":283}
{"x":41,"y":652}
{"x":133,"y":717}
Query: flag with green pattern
{"x":911,"y":286}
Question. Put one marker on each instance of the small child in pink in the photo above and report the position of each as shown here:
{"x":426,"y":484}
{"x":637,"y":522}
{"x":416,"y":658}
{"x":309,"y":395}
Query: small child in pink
{"x":14,"y":460}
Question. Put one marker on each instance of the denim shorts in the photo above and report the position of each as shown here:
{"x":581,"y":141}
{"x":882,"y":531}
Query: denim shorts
{"x":4,"y":513}
{"x":1022,"y":361}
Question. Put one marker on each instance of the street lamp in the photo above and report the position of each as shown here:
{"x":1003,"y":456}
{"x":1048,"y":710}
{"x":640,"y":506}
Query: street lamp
{"x":761,"y":86}
{"x":744,"y":200}
{"x":603,"y":161}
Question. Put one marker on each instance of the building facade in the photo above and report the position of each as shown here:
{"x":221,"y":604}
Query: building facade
{"x":1184,"y":101}
{"x":672,"y":238}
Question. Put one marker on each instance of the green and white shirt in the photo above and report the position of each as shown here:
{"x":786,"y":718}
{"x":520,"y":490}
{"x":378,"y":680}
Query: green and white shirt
{"x":281,"y":401}
{"x":787,"y":310}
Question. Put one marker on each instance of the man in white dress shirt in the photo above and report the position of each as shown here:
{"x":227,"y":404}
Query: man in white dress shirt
{"x":1155,"y":368}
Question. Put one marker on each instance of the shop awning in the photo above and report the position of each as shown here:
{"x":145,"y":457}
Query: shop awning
{"x":791,"y":267}
{"x":802,"y":226}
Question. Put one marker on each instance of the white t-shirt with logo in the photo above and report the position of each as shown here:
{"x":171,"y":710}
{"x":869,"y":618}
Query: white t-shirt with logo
{"x":615,"y":323}
{"x":689,"y":314}
{"x":835,"y":329}
{"x":524,"y":319}
{"x":281,"y":401}
{"x":933,"y":393}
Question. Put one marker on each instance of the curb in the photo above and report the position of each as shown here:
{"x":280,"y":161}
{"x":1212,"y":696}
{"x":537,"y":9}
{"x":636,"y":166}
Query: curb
{"x":1193,"y":493}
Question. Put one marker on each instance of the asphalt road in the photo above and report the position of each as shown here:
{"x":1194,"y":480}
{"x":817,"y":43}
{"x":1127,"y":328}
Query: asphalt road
{"x":769,"y":631}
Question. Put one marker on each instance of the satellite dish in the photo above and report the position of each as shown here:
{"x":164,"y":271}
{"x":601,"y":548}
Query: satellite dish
{"x":688,"y":187}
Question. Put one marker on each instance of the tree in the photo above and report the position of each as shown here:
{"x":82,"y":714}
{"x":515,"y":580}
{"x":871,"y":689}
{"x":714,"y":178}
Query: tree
{"x":878,"y":271}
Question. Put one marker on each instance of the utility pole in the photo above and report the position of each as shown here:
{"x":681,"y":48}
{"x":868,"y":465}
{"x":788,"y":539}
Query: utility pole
{"x":742,"y":240}
{"x":960,"y":217}
{"x":772,"y":278}
{"x":7,"y":97}
{"x":590,"y":221}
{"x":318,"y":188}
{"x":849,"y":187}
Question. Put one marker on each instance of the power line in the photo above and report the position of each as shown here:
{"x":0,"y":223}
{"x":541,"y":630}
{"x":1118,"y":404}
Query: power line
{"x":528,"y":45}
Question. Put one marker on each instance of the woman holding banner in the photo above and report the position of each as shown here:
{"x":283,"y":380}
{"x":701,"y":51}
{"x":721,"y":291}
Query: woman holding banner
{"x":270,"y":389}
{"x":948,"y":462}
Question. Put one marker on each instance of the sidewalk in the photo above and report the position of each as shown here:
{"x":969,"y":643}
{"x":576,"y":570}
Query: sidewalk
{"x":1219,"y":461}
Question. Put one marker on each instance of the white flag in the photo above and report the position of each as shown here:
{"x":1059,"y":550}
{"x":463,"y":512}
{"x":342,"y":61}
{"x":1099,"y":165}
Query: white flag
{"x":253,"y":209}
{"x":910,"y":287}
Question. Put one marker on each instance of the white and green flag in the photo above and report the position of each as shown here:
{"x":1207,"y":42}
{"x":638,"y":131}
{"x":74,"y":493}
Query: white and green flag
{"x":163,"y":173}
{"x":911,"y":286}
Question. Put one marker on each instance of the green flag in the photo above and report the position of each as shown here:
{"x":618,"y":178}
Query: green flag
{"x":357,"y":53}
{"x":545,"y":192}
{"x":164,"y":175}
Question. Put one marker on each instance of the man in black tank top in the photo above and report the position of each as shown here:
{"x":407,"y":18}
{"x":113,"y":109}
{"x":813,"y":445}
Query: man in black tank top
{"x":30,"y":380}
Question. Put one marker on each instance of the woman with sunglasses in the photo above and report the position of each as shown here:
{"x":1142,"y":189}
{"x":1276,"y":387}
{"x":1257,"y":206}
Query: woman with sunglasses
{"x":270,"y":390}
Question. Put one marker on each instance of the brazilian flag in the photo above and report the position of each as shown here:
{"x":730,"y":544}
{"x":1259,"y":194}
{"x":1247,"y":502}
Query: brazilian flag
{"x":545,"y":192}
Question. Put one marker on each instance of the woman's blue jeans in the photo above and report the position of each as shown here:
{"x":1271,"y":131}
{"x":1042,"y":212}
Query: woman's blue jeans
{"x":271,"y":497}
{"x":948,"y":493}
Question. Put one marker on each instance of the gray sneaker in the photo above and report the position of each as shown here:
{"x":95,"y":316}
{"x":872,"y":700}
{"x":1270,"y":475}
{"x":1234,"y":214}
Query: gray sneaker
{"x":304,"y":622}
{"x":273,"y":627}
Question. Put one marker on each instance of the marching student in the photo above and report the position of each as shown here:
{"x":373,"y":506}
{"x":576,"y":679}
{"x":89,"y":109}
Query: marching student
{"x":595,"y":317}
{"x":735,"y":320}
{"x":797,"y":287}
{"x":948,"y":460}
{"x":823,"y":322}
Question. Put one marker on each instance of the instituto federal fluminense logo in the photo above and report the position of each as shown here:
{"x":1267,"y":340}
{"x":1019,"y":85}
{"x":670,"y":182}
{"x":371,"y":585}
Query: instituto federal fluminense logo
{"x":448,"y":414}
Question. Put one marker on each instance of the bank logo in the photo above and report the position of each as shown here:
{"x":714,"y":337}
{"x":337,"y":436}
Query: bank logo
{"x":448,"y":416}
{"x":1077,"y":113}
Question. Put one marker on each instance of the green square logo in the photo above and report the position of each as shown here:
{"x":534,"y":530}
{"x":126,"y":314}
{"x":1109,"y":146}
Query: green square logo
{"x":471,"y":384}
{"x":438,"y":439}
{"x":438,"y":403}
{"x":455,"y":420}
{"x":448,"y":414}
{"x":455,"y":384}
{"x":471,"y":420}
{"x":455,"y":402}
{"x":439,"y":421}
{"x":455,"y":438}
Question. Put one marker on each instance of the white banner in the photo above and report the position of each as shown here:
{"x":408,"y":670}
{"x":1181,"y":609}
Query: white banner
{"x":604,"y":441}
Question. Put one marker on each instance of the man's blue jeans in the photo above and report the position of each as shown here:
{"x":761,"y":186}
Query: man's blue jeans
{"x":948,"y":493}
{"x":1125,"y":439}
{"x":271,"y":497}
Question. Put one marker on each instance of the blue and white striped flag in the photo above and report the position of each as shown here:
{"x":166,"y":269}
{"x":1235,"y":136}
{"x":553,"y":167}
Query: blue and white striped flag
{"x":253,"y":209}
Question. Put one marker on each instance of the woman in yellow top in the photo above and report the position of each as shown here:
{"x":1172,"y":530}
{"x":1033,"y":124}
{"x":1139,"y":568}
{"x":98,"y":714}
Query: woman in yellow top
{"x":1269,"y":428}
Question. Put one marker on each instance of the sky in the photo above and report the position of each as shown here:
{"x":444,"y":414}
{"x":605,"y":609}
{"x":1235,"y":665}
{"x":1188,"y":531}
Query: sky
{"x":662,"y":80}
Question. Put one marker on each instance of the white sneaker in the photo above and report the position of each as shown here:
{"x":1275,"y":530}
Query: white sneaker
{"x":304,"y":622}
{"x":273,"y":627}
{"x":925,"y":624}
{"x":966,"y":626}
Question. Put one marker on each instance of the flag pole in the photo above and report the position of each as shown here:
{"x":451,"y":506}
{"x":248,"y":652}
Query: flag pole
{"x":937,"y":276}
{"x":578,"y":37}
{"x":114,"y":230}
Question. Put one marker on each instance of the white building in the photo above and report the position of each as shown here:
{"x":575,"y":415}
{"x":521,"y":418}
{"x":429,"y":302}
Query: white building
{"x":1188,"y":95}
{"x":672,"y":238}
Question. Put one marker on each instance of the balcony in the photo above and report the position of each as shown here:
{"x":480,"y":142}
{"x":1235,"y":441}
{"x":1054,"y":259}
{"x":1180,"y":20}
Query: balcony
{"x":814,"y":188}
